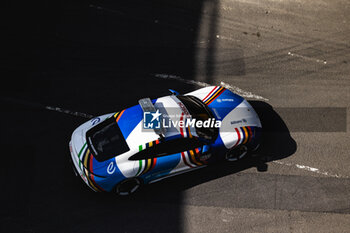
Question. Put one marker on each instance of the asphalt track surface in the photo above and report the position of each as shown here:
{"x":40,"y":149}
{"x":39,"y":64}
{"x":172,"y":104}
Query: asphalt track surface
{"x":65,"y":62}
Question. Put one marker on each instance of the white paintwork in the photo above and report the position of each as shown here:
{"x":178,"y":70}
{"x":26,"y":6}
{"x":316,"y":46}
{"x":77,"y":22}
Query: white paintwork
{"x":243,"y":111}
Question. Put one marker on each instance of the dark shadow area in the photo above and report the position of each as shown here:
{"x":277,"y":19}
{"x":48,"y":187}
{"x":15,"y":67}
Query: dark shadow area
{"x":82,"y":52}
{"x":277,"y":142}
{"x":15,"y":167}
{"x":92,"y":57}
{"x":41,"y":194}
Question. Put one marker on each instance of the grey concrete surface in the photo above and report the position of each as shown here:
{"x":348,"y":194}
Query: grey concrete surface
{"x":296,"y":54}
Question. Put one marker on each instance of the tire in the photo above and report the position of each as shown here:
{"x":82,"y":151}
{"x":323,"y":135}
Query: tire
{"x":128,"y":186}
{"x":236,"y":153}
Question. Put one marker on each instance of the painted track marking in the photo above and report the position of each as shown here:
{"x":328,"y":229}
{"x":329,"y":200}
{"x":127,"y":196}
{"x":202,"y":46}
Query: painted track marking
{"x":237,"y":90}
{"x":307,"y":58}
{"x":311,"y":169}
{"x":69,"y":112}
{"x":245,"y":94}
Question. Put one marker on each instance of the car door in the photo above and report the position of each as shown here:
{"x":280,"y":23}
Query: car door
{"x":169,"y":157}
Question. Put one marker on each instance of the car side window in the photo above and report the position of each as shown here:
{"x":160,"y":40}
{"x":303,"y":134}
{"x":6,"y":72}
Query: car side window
{"x":168,"y":148}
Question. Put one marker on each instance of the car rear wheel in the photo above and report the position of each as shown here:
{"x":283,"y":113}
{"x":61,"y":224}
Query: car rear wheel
{"x":236,"y":153}
{"x":128,"y":186}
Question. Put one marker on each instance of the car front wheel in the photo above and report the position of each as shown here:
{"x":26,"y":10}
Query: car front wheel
{"x":128,"y":186}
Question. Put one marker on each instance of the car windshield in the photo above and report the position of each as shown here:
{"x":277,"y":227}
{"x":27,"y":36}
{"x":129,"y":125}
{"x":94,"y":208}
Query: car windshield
{"x":106,"y":140}
{"x":200,"y":112}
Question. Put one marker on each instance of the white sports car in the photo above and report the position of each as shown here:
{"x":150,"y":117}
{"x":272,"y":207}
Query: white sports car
{"x":120,"y":151}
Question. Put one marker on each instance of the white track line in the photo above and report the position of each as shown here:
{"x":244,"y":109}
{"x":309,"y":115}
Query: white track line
{"x":245,"y":94}
{"x":226,"y":38}
{"x":237,"y":90}
{"x":69,"y":112}
{"x":178,"y":78}
{"x":307,"y":58}
{"x":311,"y":169}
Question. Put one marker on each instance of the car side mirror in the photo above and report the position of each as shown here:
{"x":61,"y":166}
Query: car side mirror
{"x":205,"y":149}
{"x":173,"y":92}
{"x":205,"y":154}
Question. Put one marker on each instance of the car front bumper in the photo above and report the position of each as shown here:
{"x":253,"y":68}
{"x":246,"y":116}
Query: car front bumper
{"x":78,"y":167}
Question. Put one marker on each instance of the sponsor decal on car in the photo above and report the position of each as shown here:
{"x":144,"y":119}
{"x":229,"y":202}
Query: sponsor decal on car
{"x":111,"y":168}
{"x":239,"y":121}
{"x":225,"y":100}
{"x":95,"y":121}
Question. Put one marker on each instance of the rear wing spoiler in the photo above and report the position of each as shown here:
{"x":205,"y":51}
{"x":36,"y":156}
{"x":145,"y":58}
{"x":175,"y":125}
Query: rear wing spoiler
{"x":147,"y":106}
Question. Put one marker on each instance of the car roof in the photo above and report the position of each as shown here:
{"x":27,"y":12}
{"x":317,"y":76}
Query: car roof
{"x":131,"y":123}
